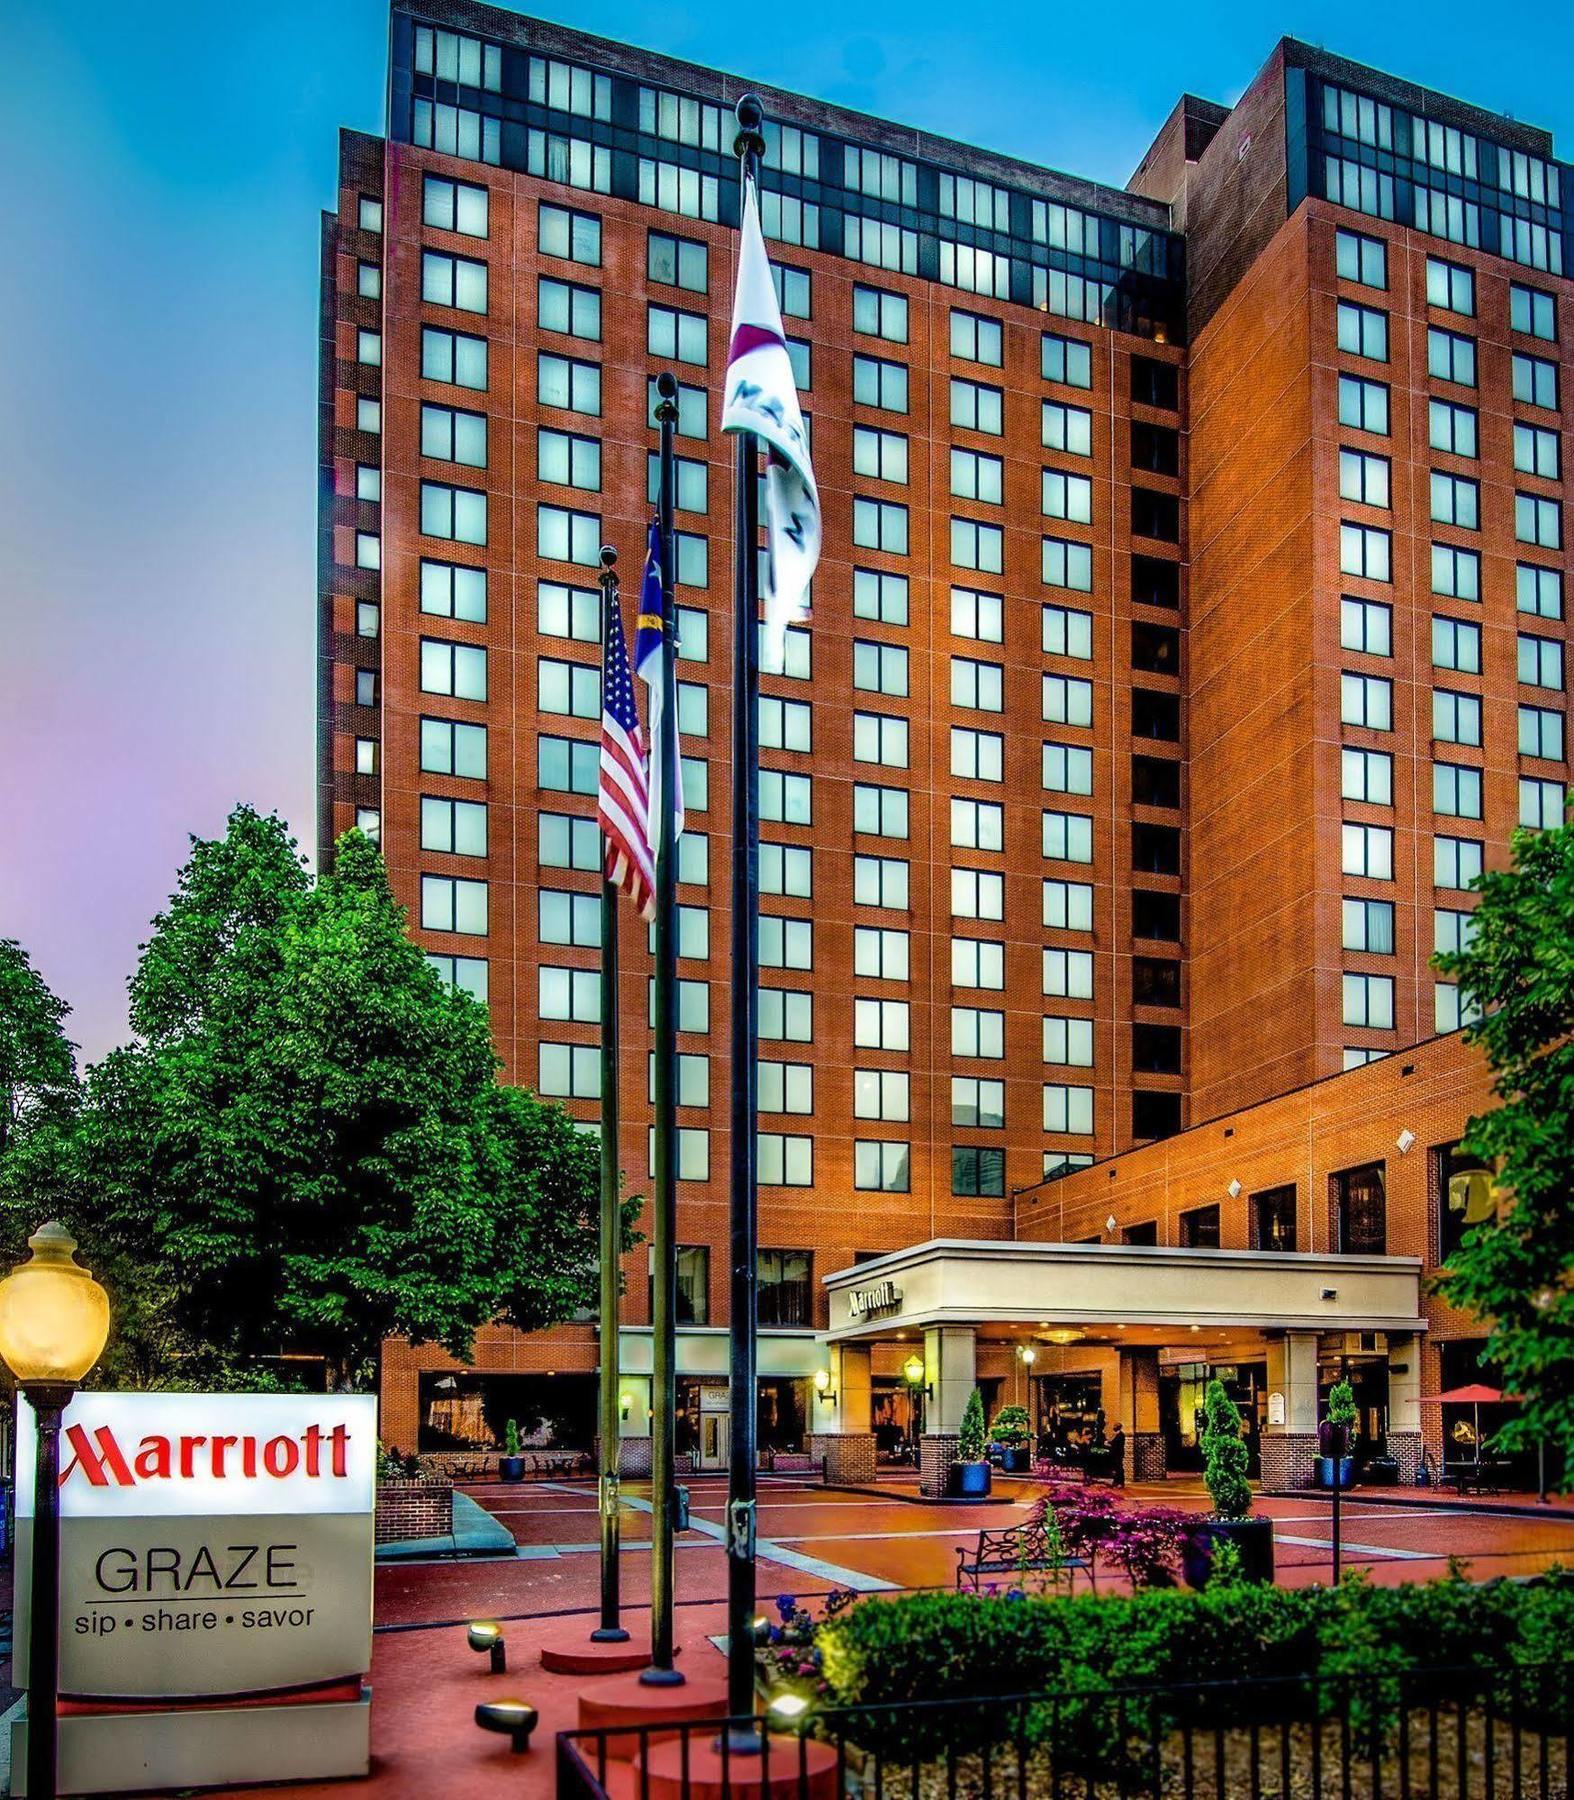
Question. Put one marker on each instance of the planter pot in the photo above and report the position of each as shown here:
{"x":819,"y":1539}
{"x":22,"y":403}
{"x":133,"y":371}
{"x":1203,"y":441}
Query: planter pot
{"x":1015,"y":1459}
{"x":1325,"y":1471}
{"x":1253,"y":1538}
{"x":968,"y":1480}
{"x":511,"y":1468}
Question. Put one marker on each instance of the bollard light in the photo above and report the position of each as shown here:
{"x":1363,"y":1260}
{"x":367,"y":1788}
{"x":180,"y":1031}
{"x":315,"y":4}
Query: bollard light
{"x":787,"y":1707}
{"x":485,"y":1637}
{"x":516,"y":1719}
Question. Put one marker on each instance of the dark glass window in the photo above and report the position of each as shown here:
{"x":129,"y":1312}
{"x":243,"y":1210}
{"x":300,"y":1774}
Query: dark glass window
{"x":1155,"y":447}
{"x":693,"y":1284}
{"x":1155,"y":781}
{"x":977,"y":1171}
{"x":1155,"y":715}
{"x":1155,"y":582}
{"x":1155,"y":647}
{"x":1155,"y":1115}
{"x":1155,"y":981}
{"x":1145,"y":1233}
{"x":1156,"y":1049}
{"x":1155,"y":515}
{"x":1155,"y":383}
{"x":1273,"y":1218}
{"x":1155,"y":915}
{"x":784,"y":1294}
{"x":1155,"y":849}
{"x":1361,"y":1210}
{"x":1449,"y":1160}
{"x":1199,"y":1228}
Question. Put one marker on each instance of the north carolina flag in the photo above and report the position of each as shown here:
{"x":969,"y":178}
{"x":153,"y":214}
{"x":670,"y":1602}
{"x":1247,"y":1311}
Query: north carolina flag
{"x":760,"y":396}
{"x":650,"y":656}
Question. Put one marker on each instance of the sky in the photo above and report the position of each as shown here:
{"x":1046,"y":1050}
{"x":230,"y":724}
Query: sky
{"x":165,"y":167}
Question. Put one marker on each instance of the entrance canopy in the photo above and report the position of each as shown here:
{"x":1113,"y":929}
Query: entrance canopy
{"x":1144,"y":1288}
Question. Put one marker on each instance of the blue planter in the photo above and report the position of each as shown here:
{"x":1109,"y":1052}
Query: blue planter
{"x":1016,"y":1459}
{"x":969,"y":1480}
{"x":1325,"y":1472}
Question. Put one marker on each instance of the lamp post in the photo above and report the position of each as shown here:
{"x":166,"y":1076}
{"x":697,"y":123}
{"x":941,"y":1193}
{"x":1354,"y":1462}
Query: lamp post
{"x":913,"y":1371}
{"x":54,"y":1318}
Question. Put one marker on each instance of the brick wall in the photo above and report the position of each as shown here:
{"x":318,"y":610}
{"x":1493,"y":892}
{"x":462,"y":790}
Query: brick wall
{"x":414,"y":1509}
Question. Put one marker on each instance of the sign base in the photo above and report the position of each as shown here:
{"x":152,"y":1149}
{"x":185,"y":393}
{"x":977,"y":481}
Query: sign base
{"x":198,"y":1747}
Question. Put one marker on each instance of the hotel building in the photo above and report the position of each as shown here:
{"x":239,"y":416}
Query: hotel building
{"x":1189,"y":633}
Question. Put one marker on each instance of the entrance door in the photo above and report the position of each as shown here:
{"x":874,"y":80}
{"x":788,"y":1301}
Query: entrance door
{"x":715,"y":1427}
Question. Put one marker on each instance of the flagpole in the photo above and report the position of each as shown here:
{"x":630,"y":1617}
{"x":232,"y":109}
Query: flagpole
{"x":663,"y":1231}
{"x":610,"y":1630}
{"x":741,"y":1485}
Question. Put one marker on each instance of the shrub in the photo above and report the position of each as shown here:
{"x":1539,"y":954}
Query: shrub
{"x":1013,"y":1425}
{"x":1224,"y":1454}
{"x":511,"y":1441}
{"x":970,"y":1433}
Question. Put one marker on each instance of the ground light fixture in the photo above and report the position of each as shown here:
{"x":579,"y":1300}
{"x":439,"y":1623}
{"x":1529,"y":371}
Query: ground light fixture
{"x":54,"y":1318}
{"x":787,"y":1707}
{"x":822,"y":1386}
{"x":515,"y":1719}
{"x":485,"y":1637}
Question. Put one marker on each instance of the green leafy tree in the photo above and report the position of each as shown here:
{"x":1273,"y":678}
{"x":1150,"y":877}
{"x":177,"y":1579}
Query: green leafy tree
{"x":308,"y":1137}
{"x":1224,"y":1454}
{"x":970,"y":1433}
{"x":38,"y":1072}
{"x":1515,"y":1270}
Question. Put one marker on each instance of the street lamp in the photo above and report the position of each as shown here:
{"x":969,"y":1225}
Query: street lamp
{"x":54,"y":1318}
{"x":822,"y":1386}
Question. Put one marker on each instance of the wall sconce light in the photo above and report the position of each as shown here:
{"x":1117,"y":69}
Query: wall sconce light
{"x":485,"y":1637}
{"x":1234,"y":1190}
{"x":913,"y":1372}
{"x":1405,"y":1140}
{"x":822,"y":1386}
{"x":625,"y":1404}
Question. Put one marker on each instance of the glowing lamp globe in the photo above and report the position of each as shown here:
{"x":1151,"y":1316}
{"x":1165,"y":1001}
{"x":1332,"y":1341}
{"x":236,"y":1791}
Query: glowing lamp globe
{"x":913,"y":1369}
{"x":54,"y":1317}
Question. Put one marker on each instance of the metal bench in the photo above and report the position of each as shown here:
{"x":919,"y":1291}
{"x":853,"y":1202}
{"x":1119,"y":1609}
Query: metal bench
{"x":1017,"y":1550}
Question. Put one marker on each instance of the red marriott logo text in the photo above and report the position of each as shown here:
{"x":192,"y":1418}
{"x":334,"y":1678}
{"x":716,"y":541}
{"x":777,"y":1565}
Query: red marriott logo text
{"x":102,"y":1461}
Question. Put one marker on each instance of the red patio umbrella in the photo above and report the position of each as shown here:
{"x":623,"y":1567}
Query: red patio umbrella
{"x":1475,"y":1395}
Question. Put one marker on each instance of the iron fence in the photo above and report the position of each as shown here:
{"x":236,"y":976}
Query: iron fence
{"x":1486,"y":1733}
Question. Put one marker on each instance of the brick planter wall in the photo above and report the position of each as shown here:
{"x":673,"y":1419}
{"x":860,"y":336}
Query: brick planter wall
{"x":1287,"y":1459}
{"x":936,"y":1453}
{"x":1405,"y":1448}
{"x":414,"y":1509}
{"x":1145,"y":1456}
{"x":849,"y":1456}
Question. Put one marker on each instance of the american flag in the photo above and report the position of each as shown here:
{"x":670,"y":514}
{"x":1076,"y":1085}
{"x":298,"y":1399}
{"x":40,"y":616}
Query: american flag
{"x":624,"y":801}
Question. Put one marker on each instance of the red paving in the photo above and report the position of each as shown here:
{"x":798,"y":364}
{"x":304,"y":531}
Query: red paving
{"x":426,"y":1681}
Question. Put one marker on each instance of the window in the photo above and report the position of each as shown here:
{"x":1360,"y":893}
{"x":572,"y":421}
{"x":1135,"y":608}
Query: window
{"x":1365,"y":550}
{"x":1066,"y":360}
{"x":566,"y":766}
{"x":455,"y":827}
{"x":1451,"y":427}
{"x":1366,"y":625}
{"x":1456,"y":791}
{"x":569,"y":1071}
{"x":1359,"y":1207}
{"x":1540,"y":661}
{"x":1367,"y":850}
{"x":1068,"y":1109}
{"x":1068,"y":905}
{"x":369,"y":348}
{"x":880,"y":596}
{"x":975,"y":475}
{"x":977,"y":824}
{"x":451,"y":436}
{"x":977,"y":1172}
{"x":1538,"y":521}
{"x":1067,"y":496}
{"x":449,"y":748}
{"x":979,"y":685}
{"x":880,"y":525}
{"x":573,"y":689}
{"x":1450,"y":356}
{"x":1068,"y":973}
{"x":565,"y":841}
{"x":575,"y":236}
{"x":881,"y":1094}
{"x":1067,"y":565}
{"x":977,"y":755}
{"x":1541,"y":733}
{"x":671,"y":333}
{"x":368,"y":550}
{"x":1067,"y":700}
{"x":1536,"y":451}
{"x":1068,"y":1042}
{"x":786,"y":1016}
{"x":1363,"y":405}
{"x":1067,"y":769}
{"x":1456,"y":500}
{"x":786,"y":799}
{"x":879,"y":881}
{"x":786,"y":943}
{"x":453,"y":206}
{"x":783,"y":1294}
{"x":1068,"y":837}
{"x":880,"y":668}
{"x":1533,"y":312}
{"x":785,"y":724}
{"x":1369,"y":926}
{"x":879,"y":314}
{"x":1067,"y":428}
{"x":676,"y":262}
{"x":368,"y":414}
{"x":977,"y":963}
{"x":975,"y":339}
{"x":1535,"y":381}
{"x":881,"y":1025}
{"x":1367,"y":776}
{"x":1361,"y":258}
{"x":1456,"y":862}
{"x":1539,"y":591}
{"x":785,"y":1160}
{"x":1456,"y":573}
{"x":1199,"y":1228}
{"x":1366,"y":700}
{"x":977,"y":1031}
{"x":457,"y":281}
{"x":793,"y":660}
{"x":1451,"y":930}
{"x":1456,"y":644}
{"x":1363,"y":478}
{"x":452,"y":903}
{"x":1456,"y":718}
{"x":1273,"y":1219}
{"x":881,"y":1167}
{"x":1363,"y":331}
{"x":975,"y":407}
{"x":1450,"y":287}
{"x":880,"y":952}
{"x":977,"y":615}
{"x":369,"y":214}
{"x":977,"y":894}
{"x":792,"y":291}
{"x":564,"y":381}
{"x":365,"y":756}
{"x":564,"y":306}
{"x":977,"y":546}
{"x":568,"y":536}
{"x":880,"y":383}
{"x":882,"y":454}
{"x":568,"y":612}
{"x":1541,"y":803}
{"x":454,"y":357}
{"x":878,"y":811}
{"x":467,"y":973}
{"x":456,"y":669}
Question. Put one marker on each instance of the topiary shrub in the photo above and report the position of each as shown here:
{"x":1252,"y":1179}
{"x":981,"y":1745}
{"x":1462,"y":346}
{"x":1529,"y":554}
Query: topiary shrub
{"x":1013,"y":1425}
{"x":970,"y":1433}
{"x":1224,"y":1455}
{"x":511,"y":1442}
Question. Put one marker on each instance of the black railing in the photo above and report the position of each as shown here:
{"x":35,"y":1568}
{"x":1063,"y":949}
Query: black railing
{"x":1417,"y":1734}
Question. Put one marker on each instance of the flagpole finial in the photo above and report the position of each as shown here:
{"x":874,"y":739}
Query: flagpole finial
{"x":667,"y":396}
{"x":609,"y":557}
{"x":751,"y":121}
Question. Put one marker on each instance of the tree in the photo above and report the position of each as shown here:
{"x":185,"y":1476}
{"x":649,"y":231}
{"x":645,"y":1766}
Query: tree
{"x":308,"y":1137}
{"x":1224,"y":1454}
{"x":38,"y":1071}
{"x":970,"y":1433}
{"x":1515,"y":1269}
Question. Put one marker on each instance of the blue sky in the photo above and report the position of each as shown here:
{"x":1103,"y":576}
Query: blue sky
{"x":165,"y":167}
